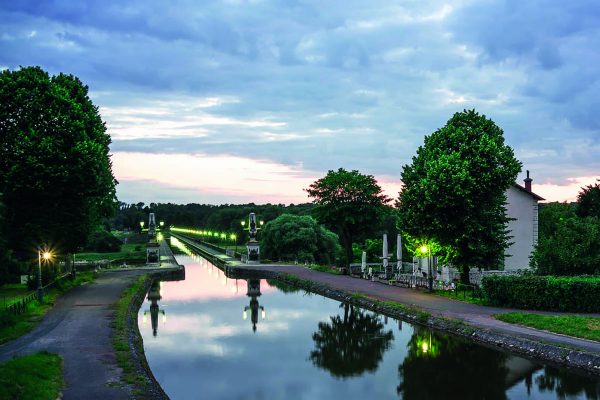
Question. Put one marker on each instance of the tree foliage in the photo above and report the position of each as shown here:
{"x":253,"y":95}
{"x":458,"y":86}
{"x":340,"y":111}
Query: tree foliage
{"x":350,"y":204}
{"x":588,"y":201}
{"x":300,"y":238}
{"x":7,"y":262}
{"x":55,"y":169}
{"x":454,"y":191}
{"x":567,"y":244}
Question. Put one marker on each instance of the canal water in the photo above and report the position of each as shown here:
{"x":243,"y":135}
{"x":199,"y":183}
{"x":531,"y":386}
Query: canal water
{"x":211,"y":337}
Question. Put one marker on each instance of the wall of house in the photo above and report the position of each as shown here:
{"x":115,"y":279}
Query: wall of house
{"x":523,"y":230}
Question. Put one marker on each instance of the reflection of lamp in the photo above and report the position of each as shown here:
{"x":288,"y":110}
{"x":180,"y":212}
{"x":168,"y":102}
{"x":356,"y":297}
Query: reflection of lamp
{"x":254,"y":294}
{"x":154,"y":295}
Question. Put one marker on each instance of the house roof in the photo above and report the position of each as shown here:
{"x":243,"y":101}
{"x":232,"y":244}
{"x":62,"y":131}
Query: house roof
{"x":535,"y":196}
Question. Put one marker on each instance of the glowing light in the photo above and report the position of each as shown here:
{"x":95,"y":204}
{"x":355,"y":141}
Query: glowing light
{"x":424,"y":249}
{"x":424,"y":347}
{"x":264,"y":314}
{"x":245,"y":315}
{"x":46,"y":255}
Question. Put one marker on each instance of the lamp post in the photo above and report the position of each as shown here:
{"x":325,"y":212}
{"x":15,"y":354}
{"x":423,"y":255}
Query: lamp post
{"x":46,"y":256}
{"x":141,"y":226}
{"x":427,"y":250}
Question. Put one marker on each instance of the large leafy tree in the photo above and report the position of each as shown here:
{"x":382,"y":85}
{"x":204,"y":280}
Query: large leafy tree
{"x":55,"y":169}
{"x":301,"y":238}
{"x":350,"y":204}
{"x":588,"y":201}
{"x":454,"y":192}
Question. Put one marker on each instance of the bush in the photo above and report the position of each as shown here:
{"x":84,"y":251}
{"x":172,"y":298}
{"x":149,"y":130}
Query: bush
{"x":103,"y":242}
{"x":292,"y":237}
{"x":551,"y":293}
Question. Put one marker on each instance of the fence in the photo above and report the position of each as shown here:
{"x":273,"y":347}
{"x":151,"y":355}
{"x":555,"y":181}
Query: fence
{"x":475,"y":277}
{"x":20,"y":306}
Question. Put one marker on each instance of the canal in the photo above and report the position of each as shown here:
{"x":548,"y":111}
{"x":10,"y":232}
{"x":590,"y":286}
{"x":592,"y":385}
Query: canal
{"x":211,"y":337}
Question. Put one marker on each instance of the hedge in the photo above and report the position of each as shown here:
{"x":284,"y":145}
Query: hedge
{"x":549,"y":293}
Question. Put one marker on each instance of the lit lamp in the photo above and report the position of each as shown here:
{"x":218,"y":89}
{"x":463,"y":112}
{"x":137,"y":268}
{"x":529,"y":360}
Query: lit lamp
{"x":162,"y":223}
{"x":46,"y":255}
{"x":141,"y":225}
{"x":427,"y":250}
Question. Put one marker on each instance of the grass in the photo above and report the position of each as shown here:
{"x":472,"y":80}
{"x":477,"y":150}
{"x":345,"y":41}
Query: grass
{"x":11,"y":326}
{"x":35,"y":377}
{"x":10,"y":293}
{"x":465,"y":296}
{"x":570,"y":325}
{"x":325,"y":268}
{"x":121,"y":341}
{"x":128,"y":254}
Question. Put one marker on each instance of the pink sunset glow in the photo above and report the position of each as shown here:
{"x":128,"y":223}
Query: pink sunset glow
{"x":214,"y":179}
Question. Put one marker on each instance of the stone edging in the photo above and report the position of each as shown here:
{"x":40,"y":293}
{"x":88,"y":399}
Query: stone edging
{"x":537,"y":351}
{"x":136,"y":344}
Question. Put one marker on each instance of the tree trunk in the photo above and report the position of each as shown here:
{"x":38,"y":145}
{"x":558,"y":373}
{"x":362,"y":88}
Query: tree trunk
{"x":464,"y":275}
{"x":348,"y":247}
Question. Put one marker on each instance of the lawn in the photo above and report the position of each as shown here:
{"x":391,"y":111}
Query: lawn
{"x":35,"y":377}
{"x":130,"y":253}
{"x":10,"y":293}
{"x":571,"y":325}
{"x":11,"y":327}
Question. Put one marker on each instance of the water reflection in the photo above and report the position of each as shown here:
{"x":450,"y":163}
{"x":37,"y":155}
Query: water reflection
{"x":254,"y":293}
{"x":154,"y":296}
{"x":567,"y":385}
{"x":310,"y":347}
{"x":441,"y":367}
{"x":350,"y":346}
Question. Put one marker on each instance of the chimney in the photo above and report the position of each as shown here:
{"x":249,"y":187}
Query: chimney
{"x":528,"y":182}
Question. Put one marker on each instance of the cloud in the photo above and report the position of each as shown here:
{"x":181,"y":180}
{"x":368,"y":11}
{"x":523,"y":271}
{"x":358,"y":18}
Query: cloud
{"x":315,"y":87}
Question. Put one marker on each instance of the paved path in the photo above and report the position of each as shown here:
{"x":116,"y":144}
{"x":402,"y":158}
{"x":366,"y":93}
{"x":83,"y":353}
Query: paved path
{"x":79,"y":329}
{"x":479,"y":316}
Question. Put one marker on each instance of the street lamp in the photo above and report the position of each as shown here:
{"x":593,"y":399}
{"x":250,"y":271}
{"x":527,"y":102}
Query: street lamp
{"x":427,"y":250}
{"x":46,"y":255}
{"x":162,"y":223}
{"x":141,"y":226}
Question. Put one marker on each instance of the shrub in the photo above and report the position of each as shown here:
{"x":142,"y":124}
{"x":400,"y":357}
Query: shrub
{"x":102,"y":241}
{"x":552,"y":293}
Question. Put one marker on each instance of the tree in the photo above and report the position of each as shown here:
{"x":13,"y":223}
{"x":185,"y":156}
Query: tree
{"x":454,"y":192}
{"x":349,"y":203}
{"x":588,"y":201}
{"x":568,"y":245}
{"x":301,"y":238}
{"x":55,"y":170}
{"x":7,"y":263}
{"x":350,"y":346}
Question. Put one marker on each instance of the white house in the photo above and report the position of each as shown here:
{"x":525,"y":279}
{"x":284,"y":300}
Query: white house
{"x":522,"y":205}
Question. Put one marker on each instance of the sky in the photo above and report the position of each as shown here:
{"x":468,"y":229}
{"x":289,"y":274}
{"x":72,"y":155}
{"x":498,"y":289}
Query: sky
{"x":250,"y":101}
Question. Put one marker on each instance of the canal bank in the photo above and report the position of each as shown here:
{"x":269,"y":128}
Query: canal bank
{"x":462,"y":319}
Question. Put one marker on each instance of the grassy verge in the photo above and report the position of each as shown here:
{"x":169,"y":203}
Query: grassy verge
{"x":325,"y":268}
{"x":128,"y":254}
{"x":465,"y":296}
{"x":34,"y":377}
{"x":571,"y":325}
{"x":11,"y":326}
{"x":121,"y":341}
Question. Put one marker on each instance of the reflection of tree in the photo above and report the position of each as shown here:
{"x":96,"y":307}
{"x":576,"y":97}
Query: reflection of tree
{"x":352,"y":345}
{"x":566,"y":383}
{"x":440,"y":367}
